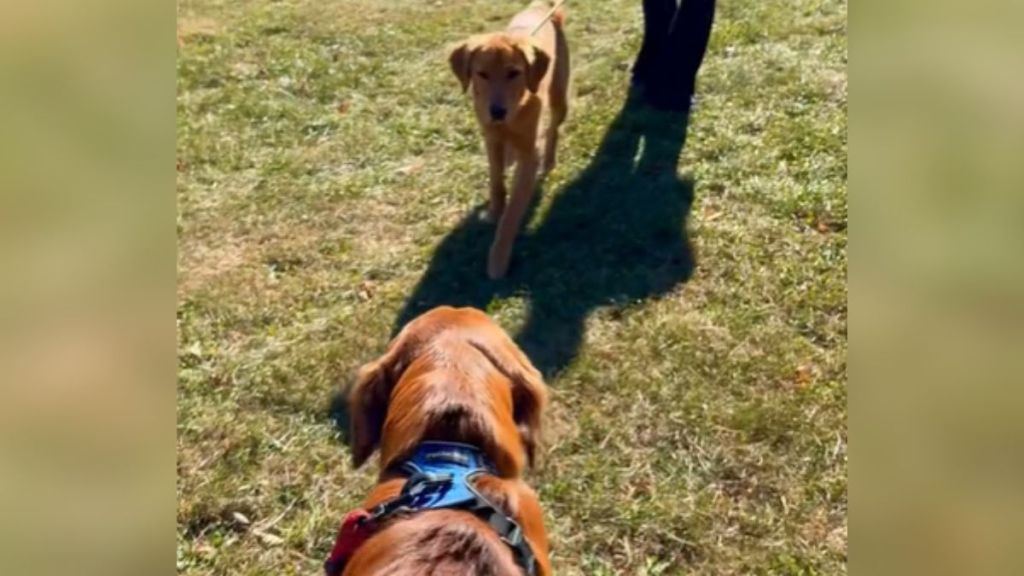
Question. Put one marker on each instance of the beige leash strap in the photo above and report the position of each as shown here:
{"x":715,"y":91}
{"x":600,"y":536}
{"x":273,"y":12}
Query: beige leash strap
{"x":548,"y":16}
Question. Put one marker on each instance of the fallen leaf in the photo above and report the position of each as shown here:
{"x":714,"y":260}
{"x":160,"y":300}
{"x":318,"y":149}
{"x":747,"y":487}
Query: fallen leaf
{"x":365,"y":290}
{"x":343,"y":107}
{"x":268,"y":538}
{"x":804,"y":375}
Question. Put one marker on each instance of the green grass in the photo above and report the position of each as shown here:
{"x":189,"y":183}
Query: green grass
{"x":691,"y":320}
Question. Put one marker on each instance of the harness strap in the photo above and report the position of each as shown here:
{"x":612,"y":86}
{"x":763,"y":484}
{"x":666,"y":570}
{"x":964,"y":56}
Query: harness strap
{"x":441,"y":476}
{"x":356,"y":526}
{"x":508,"y":530}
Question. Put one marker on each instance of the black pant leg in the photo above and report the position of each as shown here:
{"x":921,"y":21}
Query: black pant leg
{"x":675,"y":75}
{"x":689,"y":39}
{"x":658,"y":15}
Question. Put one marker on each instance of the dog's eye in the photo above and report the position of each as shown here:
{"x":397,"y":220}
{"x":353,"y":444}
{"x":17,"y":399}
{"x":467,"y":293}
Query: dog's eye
{"x":512,"y":74}
{"x":482,"y":75}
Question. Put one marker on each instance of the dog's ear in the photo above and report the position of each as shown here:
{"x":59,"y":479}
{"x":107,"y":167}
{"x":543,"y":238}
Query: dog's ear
{"x":529,"y":397}
{"x":369,"y":395}
{"x":537,"y":62}
{"x":460,"y":59}
{"x":529,"y":393}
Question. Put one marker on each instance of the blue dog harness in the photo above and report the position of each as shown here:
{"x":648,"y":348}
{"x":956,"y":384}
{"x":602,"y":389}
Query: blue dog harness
{"x":441,"y":476}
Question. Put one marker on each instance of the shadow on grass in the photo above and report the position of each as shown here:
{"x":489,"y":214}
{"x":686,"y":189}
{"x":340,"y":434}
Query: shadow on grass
{"x":614,"y":235}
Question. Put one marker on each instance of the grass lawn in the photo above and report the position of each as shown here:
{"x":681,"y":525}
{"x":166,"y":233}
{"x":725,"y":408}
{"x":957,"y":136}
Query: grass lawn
{"x":686,"y":299}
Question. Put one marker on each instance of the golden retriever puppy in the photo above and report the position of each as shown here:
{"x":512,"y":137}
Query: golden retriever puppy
{"x":516,"y":76}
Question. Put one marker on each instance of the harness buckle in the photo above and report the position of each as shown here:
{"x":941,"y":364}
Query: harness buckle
{"x":514,"y":537}
{"x":420,"y":482}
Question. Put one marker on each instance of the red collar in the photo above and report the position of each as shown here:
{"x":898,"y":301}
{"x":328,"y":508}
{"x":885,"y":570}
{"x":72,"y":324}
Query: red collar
{"x":354,"y":531}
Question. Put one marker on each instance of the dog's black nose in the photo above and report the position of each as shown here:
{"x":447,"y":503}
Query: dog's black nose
{"x":498,"y":112}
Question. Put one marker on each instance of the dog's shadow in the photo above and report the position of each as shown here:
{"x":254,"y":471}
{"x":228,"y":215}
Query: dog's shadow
{"x":613,"y":236}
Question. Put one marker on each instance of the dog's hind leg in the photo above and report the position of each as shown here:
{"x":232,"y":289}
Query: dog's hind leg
{"x":558,"y":99}
{"x":559,"y":110}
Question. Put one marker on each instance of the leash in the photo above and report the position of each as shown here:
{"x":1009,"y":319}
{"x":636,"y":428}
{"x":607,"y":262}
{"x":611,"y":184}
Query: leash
{"x":547,"y":17}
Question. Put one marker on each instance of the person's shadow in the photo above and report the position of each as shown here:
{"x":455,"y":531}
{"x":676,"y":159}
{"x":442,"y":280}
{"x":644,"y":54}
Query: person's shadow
{"x":615,"y":235}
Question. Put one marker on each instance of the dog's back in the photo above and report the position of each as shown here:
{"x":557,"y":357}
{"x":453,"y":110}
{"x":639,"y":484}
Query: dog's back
{"x":446,"y":542}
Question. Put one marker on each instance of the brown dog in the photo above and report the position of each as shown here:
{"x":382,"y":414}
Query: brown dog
{"x":516,"y":75}
{"x":451,"y":375}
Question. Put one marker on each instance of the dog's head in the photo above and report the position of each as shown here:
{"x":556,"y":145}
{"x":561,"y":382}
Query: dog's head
{"x":502,"y":70}
{"x":450,"y":374}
